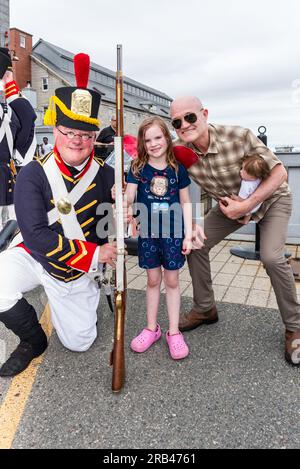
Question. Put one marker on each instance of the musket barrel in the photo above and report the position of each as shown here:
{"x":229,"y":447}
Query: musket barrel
{"x":118,"y":354}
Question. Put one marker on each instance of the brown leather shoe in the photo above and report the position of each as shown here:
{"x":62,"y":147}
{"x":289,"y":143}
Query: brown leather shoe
{"x":292,"y":347}
{"x":193,"y":319}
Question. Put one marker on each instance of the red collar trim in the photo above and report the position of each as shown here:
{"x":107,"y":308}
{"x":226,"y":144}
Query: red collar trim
{"x":63,"y":168}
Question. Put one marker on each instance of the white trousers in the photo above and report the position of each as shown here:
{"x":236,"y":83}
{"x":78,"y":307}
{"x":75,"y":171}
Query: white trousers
{"x":73,"y":305}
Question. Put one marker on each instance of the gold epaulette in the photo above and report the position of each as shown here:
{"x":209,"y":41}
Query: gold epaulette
{"x":99,"y":161}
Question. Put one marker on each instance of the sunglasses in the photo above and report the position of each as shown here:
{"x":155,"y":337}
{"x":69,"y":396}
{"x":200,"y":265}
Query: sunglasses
{"x":190,"y":118}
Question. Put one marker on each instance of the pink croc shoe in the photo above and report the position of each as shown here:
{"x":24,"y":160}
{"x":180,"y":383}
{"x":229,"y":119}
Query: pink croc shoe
{"x":177,"y":346}
{"x":145,"y":339}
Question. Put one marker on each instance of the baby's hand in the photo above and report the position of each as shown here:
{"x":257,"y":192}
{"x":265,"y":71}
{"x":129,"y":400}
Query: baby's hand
{"x":187,"y":246}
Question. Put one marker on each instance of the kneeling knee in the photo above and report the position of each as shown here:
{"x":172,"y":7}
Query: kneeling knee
{"x":77,"y":348}
{"x":78,"y":344}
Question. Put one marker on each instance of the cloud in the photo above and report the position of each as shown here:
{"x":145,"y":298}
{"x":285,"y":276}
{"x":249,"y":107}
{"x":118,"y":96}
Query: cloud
{"x":241,"y":58}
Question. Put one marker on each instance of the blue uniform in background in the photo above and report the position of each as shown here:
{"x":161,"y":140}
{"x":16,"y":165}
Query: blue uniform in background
{"x":17,"y":142}
{"x":22,"y":118}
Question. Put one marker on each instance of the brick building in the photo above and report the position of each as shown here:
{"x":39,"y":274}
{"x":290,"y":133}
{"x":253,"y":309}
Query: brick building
{"x":21,"y":45}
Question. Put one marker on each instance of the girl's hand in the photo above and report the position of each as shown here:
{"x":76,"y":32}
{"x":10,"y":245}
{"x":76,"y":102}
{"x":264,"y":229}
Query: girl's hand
{"x":187,"y":246}
{"x":113,"y":191}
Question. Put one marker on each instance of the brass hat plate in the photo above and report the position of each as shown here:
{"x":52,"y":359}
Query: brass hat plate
{"x":64,"y":206}
{"x":82,"y":103}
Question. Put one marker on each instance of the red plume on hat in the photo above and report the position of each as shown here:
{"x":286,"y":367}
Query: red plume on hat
{"x":75,"y":107}
{"x":82,"y":69}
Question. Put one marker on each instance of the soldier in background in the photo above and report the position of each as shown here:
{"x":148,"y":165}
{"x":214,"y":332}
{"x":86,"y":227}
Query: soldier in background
{"x":17,"y":138}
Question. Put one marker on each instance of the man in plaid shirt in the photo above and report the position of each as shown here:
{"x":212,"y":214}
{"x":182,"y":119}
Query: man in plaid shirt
{"x":215,"y":165}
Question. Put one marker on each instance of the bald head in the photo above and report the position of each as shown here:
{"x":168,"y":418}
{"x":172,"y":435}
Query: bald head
{"x":189,"y":119}
{"x":190,"y":103}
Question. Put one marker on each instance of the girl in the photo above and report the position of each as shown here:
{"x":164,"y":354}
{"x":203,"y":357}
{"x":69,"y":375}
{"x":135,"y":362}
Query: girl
{"x":161,"y":185}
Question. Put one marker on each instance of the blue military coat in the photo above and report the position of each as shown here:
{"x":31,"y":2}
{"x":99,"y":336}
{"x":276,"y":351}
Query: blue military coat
{"x":22,"y":128}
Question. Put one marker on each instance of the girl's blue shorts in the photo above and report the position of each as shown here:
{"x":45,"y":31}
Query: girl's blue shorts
{"x":156,"y":252}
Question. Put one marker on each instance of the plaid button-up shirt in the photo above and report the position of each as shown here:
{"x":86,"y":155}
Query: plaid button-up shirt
{"x":218,"y":171}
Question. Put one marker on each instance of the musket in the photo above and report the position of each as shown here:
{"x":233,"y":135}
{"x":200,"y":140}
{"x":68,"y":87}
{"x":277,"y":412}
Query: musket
{"x":7,"y":233}
{"x":118,"y":355}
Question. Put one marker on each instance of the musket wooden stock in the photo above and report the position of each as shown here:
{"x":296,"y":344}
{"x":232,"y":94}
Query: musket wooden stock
{"x":118,"y":354}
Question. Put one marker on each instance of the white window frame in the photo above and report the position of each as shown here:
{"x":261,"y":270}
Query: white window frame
{"x":23,"y":41}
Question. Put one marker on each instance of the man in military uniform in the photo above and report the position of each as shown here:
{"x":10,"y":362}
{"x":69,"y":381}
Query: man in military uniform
{"x":56,"y":202}
{"x":214,"y":161}
{"x":16,"y":135}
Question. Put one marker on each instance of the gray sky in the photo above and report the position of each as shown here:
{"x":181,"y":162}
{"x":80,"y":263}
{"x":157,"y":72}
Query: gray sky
{"x":242,"y":58}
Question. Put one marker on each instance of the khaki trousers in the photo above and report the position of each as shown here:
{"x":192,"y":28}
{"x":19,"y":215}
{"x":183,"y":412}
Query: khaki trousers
{"x":273,"y":231}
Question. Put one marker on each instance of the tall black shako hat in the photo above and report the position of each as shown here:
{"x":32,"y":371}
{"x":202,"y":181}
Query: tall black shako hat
{"x":75,"y":107}
{"x":5,"y":61}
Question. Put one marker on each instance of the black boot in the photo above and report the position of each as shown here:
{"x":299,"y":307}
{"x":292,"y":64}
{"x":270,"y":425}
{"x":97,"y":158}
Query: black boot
{"x":22,"y":320}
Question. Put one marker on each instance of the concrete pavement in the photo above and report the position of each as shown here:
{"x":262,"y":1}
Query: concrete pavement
{"x":233,"y":391}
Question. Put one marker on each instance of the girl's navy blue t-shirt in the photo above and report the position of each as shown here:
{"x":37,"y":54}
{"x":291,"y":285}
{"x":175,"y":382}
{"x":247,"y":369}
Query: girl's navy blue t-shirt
{"x":158,"y":192}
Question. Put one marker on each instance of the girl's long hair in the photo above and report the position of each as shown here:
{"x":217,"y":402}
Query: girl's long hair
{"x":142,"y":159}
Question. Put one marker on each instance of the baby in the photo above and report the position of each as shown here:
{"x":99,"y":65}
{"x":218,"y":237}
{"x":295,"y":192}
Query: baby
{"x":254,"y":170}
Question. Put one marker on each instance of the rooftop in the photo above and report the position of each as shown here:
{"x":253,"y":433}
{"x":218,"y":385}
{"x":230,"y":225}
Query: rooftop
{"x":136,"y":95}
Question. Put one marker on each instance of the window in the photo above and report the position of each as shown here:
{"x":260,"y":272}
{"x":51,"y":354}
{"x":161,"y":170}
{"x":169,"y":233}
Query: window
{"x":22,"y":41}
{"x":45,"y":84}
{"x":133,"y":119}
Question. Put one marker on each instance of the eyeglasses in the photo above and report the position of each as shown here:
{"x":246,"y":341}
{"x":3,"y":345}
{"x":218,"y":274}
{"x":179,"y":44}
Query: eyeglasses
{"x":71,"y":135}
{"x":190,"y":118}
